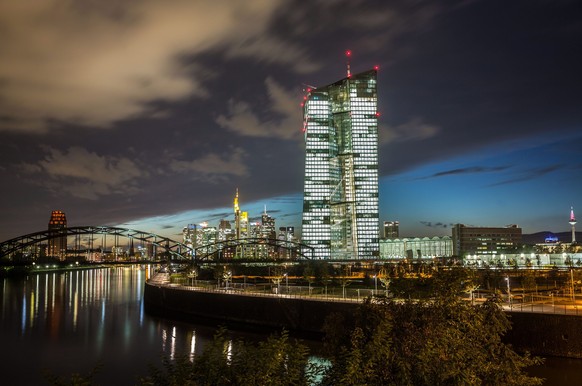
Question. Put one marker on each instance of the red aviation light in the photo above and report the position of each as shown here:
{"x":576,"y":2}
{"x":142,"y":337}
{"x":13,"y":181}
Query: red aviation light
{"x":376,"y":67}
{"x":377,"y":113}
{"x":302,"y":104}
{"x":309,"y":89}
{"x":348,"y":53}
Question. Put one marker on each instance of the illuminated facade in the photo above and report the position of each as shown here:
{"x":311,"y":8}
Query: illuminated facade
{"x":340,"y":205}
{"x":267,"y":226}
{"x":57,"y":243}
{"x":391,"y":229}
{"x":425,"y":247}
{"x":485,"y":240}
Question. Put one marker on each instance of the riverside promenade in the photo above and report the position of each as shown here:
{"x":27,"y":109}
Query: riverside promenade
{"x":543,"y":327}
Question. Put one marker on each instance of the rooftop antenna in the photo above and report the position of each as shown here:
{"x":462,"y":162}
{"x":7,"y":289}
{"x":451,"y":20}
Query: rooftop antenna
{"x":308,"y":87}
{"x":348,"y":56}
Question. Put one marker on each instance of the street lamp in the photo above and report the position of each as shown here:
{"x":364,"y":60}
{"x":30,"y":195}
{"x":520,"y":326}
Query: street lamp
{"x":508,"y":291}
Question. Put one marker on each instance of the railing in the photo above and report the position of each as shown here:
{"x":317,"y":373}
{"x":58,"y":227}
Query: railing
{"x":543,"y":304}
{"x":334,"y":294}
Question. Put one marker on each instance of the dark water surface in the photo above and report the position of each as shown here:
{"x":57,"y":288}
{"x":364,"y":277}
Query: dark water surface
{"x":71,"y":322}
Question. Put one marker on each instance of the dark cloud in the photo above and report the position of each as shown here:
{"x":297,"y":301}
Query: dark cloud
{"x":119,"y":112}
{"x":469,"y":170}
{"x":439,"y":224}
{"x":529,"y":175}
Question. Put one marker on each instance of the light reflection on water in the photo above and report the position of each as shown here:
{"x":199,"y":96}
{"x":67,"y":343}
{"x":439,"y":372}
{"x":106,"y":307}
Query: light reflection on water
{"x":70,"y":322}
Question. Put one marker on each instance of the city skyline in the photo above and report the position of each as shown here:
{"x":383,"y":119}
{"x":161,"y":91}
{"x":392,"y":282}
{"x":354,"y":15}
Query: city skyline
{"x":150,"y":115}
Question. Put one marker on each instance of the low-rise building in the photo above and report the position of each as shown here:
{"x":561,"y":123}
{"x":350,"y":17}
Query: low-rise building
{"x":426,"y":247}
{"x":470,"y":240}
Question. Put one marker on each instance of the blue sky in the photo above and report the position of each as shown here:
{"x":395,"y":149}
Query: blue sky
{"x":151,"y":113}
{"x":531,"y":183}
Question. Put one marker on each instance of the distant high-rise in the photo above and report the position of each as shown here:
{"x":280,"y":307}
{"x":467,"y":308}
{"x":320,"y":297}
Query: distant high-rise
{"x":340,"y":204}
{"x":286,"y":233}
{"x":391,"y":229}
{"x":236,"y":216}
{"x":573,"y":224}
{"x":241,"y":220}
{"x":189,"y":236}
{"x":57,"y":227}
{"x":268,"y":226}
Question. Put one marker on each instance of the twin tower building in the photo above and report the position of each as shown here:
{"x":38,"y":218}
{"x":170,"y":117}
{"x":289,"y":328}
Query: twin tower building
{"x":340,"y":204}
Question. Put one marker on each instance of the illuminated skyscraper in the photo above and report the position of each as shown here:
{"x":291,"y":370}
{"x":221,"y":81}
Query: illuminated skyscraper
{"x":340,"y":204}
{"x":241,"y":220}
{"x":57,"y":227}
{"x":267,"y":226}
{"x":236,"y":216}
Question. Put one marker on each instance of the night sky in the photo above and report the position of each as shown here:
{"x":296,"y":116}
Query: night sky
{"x":149,"y":114}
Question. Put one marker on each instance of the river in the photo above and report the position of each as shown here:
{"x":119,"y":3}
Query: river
{"x":71,"y":322}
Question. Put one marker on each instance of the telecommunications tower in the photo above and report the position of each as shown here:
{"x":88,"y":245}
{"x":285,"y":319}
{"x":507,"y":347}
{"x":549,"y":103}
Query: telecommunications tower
{"x":573,"y":223}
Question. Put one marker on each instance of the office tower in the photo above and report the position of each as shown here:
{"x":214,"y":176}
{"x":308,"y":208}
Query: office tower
{"x":236,"y":216}
{"x":241,"y":220}
{"x":287,"y":233}
{"x":224,"y":224}
{"x":225,"y":232}
{"x":340,"y":204}
{"x":469,"y":240}
{"x":57,"y":227}
{"x":267,"y":226}
{"x":391,"y":229}
{"x":573,"y":224}
{"x":189,"y":237}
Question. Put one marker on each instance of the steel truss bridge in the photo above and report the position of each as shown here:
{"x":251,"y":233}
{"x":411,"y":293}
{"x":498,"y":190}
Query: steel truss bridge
{"x":247,"y":250}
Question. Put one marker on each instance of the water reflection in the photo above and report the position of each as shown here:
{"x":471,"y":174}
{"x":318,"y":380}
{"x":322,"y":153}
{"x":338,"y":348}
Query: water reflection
{"x":70,"y":322}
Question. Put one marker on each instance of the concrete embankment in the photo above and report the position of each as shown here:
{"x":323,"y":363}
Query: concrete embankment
{"x":274,"y":312}
{"x":540,"y":334}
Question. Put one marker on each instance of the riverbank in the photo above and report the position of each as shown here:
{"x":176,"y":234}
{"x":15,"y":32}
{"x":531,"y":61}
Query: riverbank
{"x":540,"y":334}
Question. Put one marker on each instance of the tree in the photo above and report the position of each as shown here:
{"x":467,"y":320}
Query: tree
{"x":309,"y":275}
{"x":529,"y":280}
{"x":276,"y":361}
{"x":384,"y":279}
{"x":277,"y":275}
{"x":442,"y":340}
{"x":344,"y":279}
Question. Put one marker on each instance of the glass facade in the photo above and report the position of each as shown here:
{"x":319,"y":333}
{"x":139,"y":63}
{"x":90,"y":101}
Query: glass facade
{"x":340,"y":205}
{"x":416,"y":247}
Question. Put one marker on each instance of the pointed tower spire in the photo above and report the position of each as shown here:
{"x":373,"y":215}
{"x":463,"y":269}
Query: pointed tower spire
{"x":236,"y":207}
{"x":265,"y":212}
{"x":236,"y":215}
